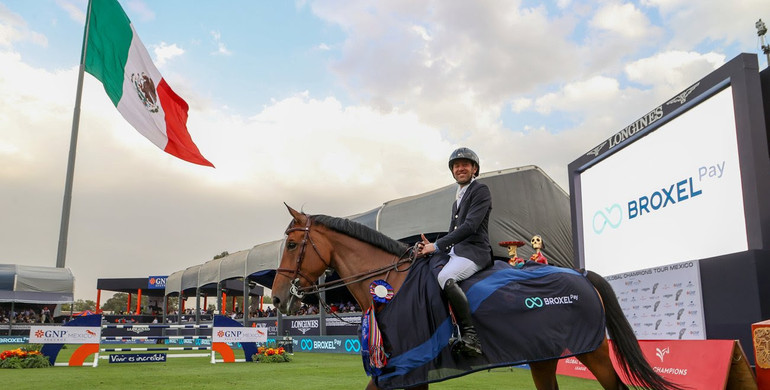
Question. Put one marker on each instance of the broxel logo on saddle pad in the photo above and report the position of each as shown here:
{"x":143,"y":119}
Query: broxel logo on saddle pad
{"x":533,"y":302}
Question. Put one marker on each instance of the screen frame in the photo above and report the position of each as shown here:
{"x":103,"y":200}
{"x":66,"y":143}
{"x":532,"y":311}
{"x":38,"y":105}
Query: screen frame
{"x":742,"y":74}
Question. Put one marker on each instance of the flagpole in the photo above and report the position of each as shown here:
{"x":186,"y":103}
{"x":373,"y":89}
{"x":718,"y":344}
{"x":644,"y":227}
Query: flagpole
{"x":65,"y":212}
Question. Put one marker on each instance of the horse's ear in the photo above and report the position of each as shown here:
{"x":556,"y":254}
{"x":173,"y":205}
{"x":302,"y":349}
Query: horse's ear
{"x":298,"y":216}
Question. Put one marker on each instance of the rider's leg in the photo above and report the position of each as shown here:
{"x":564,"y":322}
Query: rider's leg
{"x":459,"y":268}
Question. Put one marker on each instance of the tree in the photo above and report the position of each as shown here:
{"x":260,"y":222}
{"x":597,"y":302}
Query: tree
{"x":221,"y":255}
{"x":118,"y":302}
{"x":172,"y":304}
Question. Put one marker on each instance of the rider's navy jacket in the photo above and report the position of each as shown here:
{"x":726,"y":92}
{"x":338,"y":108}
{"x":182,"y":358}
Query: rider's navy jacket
{"x":469,"y":229}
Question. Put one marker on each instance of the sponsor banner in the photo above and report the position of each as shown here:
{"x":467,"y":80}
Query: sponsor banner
{"x":328,"y":344}
{"x":270,"y":323}
{"x":14,"y":339}
{"x":310,"y":325}
{"x":662,"y":303}
{"x":130,"y":341}
{"x":346,"y":325}
{"x":137,"y":358}
{"x":303,"y":326}
{"x":237,"y":335}
{"x":684,"y":204}
{"x":156,"y":282}
{"x":185,"y":342}
{"x":64,"y":335}
{"x":695,"y":364}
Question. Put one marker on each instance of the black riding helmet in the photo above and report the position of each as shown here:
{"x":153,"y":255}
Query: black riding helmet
{"x":465,"y":153}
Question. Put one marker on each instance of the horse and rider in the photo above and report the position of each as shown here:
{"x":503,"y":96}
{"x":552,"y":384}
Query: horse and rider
{"x":363,"y":257}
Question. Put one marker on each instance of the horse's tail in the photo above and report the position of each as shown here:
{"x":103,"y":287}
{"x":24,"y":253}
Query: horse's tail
{"x":627,"y":350}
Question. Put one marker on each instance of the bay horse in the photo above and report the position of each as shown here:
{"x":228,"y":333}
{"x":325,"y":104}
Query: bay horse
{"x":360,"y":255}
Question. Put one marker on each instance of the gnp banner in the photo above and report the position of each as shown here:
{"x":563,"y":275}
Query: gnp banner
{"x":239,"y":335}
{"x":65,"y":335}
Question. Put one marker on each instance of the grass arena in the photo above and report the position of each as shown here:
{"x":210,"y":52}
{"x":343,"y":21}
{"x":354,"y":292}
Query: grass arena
{"x":306,"y":371}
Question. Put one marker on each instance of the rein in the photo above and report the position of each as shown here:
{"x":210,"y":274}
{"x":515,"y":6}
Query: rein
{"x":315,"y":288}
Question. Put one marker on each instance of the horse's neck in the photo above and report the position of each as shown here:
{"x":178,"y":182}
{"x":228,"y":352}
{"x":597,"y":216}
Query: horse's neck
{"x":353,"y":257}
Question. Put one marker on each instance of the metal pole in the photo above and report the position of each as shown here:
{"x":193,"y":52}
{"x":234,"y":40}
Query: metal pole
{"x":761,"y":31}
{"x":245,"y":305}
{"x":197,"y":306}
{"x":65,"y":212}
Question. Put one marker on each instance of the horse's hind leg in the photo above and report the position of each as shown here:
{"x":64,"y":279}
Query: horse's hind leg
{"x":599,"y":363}
{"x":544,"y":374}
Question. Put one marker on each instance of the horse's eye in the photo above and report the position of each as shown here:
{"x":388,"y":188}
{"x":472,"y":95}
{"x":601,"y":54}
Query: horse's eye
{"x":291,"y":245}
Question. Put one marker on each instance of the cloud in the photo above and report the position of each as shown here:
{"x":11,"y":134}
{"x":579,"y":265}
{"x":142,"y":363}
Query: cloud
{"x":463,"y":58}
{"x":693,"y":23}
{"x":579,"y":96}
{"x":164,"y":52}
{"x":624,"y":20}
{"x":13,"y":28}
{"x":673,"y":70}
{"x":139,"y":8}
{"x":74,"y":11}
{"x":221,"y":48}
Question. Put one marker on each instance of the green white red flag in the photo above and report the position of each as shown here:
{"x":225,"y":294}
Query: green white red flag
{"x":116,"y":56}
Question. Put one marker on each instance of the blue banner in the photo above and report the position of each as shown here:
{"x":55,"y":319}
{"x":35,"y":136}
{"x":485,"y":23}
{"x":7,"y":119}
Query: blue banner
{"x":14,"y":339}
{"x":326,"y":344}
{"x":137,"y":358}
{"x":156,"y":282}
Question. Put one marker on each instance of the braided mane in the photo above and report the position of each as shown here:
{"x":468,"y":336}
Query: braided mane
{"x":362,"y":233}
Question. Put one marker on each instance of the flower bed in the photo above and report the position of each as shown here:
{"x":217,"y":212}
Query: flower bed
{"x":23,"y":358}
{"x":271,"y":355}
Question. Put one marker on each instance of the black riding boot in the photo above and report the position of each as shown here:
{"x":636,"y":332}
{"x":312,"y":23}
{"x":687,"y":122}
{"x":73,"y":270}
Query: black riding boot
{"x":468,"y":343}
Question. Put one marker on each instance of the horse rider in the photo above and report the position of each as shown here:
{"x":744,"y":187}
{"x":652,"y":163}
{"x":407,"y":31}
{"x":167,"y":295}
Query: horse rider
{"x":467,"y":243}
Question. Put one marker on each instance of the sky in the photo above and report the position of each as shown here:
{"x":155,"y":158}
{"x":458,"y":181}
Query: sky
{"x":334,"y":107}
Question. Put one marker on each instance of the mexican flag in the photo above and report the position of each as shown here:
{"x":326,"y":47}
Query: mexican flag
{"x":116,"y":57}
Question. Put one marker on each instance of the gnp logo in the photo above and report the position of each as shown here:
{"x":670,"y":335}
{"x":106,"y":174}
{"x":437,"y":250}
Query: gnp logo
{"x":230,"y":333}
{"x":51,"y":334}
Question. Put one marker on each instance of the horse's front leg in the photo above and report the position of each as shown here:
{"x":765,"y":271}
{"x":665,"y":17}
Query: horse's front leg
{"x":372,"y":386}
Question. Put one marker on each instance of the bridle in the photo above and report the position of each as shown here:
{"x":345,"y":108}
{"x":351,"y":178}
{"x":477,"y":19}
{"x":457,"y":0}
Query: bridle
{"x":298,"y":292}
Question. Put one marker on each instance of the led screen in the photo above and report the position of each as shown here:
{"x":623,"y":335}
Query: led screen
{"x":671,"y":196}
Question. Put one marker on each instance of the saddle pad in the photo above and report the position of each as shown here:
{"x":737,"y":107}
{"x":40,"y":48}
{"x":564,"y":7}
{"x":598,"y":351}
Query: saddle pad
{"x":538,"y":312}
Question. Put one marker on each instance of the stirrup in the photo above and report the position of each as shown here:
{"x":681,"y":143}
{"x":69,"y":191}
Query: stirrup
{"x":469,"y":346}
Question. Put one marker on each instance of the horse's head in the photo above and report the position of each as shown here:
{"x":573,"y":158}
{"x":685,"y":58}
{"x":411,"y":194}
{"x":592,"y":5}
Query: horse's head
{"x":302,"y":262}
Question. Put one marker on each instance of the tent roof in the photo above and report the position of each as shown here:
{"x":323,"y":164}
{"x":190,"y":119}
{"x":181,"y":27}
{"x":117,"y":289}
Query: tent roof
{"x":33,"y":284}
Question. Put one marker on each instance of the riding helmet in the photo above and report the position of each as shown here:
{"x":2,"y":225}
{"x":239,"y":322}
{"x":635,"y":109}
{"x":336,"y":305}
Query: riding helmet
{"x":465,"y":153}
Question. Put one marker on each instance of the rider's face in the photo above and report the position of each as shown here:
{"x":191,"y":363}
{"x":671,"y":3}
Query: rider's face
{"x":463,"y":171}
